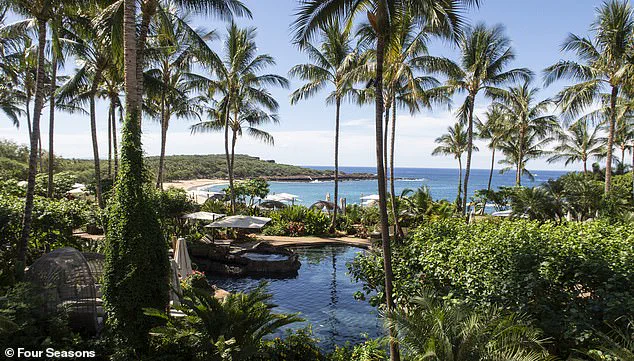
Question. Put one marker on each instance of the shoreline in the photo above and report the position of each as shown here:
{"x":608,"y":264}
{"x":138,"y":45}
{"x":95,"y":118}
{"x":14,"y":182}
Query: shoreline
{"x":195,"y":184}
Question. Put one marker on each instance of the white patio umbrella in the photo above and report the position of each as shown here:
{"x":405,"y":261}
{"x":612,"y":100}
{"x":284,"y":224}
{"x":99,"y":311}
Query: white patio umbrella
{"x":502,"y":213}
{"x":181,"y":256}
{"x":76,"y":191}
{"x":243,"y":222}
{"x":283,"y":197}
{"x":203,"y":216}
{"x":79,"y":185}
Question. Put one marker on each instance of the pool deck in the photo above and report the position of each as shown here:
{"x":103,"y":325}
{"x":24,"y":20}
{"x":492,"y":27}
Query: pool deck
{"x":310,"y":241}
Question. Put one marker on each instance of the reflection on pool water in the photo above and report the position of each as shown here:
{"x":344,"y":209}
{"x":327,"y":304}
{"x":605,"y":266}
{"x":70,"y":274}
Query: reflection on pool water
{"x":264,"y":256}
{"x":323,"y":294}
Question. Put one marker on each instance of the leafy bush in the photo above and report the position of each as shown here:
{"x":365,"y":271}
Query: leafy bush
{"x":28,"y":324}
{"x":232,"y":328}
{"x":569,"y":277}
{"x":371,"y":350}
{"x":62,"y":183}
{"x":297,"y":345}
{"x":298,"y":221}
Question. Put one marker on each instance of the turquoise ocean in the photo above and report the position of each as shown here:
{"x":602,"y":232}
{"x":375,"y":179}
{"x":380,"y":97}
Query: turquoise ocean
{"x":443,"y":183}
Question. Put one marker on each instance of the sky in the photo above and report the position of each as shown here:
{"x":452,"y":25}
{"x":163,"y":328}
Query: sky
{"x":305,"y":135}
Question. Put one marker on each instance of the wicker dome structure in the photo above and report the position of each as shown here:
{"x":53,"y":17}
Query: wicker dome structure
{"x":71,"y":281}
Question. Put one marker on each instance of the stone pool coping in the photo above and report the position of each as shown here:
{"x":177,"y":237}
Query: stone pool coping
{"x":285,"y":241}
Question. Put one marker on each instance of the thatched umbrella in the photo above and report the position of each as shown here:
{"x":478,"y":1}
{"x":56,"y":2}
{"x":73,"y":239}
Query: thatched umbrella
{"x":329,"y":206}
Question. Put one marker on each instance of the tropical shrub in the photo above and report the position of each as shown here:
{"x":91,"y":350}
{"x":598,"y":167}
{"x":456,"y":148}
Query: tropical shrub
{"x":297,"y":221}
{"x":370,"y":350}
{"x":570,"y":277}
{"x":434,"y":328}
{"x":27,"y":322}
{"x":299,"y":345}
{"x":62,"y":183}
{"x":212,"y":329}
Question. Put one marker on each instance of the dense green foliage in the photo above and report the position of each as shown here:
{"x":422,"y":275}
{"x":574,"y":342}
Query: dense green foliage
{"x":137,"y":267}
{"x":298,"y":221}
{"x":446,"y":329}
{"x":569,"y":277}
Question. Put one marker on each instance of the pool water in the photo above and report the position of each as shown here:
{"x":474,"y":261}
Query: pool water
{"x":264,"y":257}
{"x":323,"y":294}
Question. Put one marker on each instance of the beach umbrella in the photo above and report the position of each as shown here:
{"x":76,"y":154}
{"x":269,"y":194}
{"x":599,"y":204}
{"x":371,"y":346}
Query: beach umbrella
{"x":329,"y":206}
{"x":79,"y":185}
{"x":76,"y":191}
{"x":269,"y":204}
{"x":282,"y":197}
{"x":175,"y":284}
{"x":203,"y":216}
{"x":181,"y":256}
{"x":242,"y":222}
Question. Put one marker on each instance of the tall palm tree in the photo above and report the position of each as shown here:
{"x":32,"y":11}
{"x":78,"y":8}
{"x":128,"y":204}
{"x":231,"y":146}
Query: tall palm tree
{"x":624,"y":135}
{"x":84,"y":86}
{"x":493,"y":130}
{"x":238,"y":84}
{"x":444,"y":19}
{"x":169,"y":79}
{"x":604,"y":67}
{"x":485,"y":54}
{"x":454,"y":143}
{"x":529,"y":124}
{"x":331,"y":66}
{"x":42,"y":11}
{"x":578,"y":143}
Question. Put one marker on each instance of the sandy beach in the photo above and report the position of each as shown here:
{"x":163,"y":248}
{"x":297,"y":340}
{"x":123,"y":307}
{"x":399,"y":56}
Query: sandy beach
{"x":194,"y":184}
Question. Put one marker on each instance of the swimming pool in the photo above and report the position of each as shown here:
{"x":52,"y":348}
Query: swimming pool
{"x":323,"y":294}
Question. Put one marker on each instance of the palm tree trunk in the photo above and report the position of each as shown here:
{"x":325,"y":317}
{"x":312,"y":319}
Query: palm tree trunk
{"x":520,"y":157}
{"x":39,"y":152}
{"x":397,"y":225}
{"x":228,"y":156}
{"x":51,"y":126}
{"x":131,"y":86}
{"x":234,"y":137}
{"x":380,"y":171}
{"x":459,"y":199}
{"x":333,"y":225}
{"x":110,"y":115}
{"x":164,"y":126}
{"x":148,"y":9}
{"x":491,"y":171}
{"x":467,"y":173}
{"x":386,"y":132}
{"x":28,"y":112}
{"x":114,"y":141}
{"x":612,"y":122}
{"x":35,"y":131}
{"x":93,"y":132}
{"x":159,"y":178}
{"x":585,"y":167}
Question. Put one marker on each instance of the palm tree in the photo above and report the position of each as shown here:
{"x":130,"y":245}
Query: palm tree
{"x":238,"y":84}
{"x":529,"y":125}
{"x":436,"y":329}
{"x":42,"y":11}
{"x":624,"y":135}
{"x":578,"y":143}
{"x":604,"y":66}
{"x":454,"y":143}
{"x":331,"y":65}
{"x":493,"y":130}
{"x":246,"y":121}
{"x":170,"y":80}
{"x":485,"y":53}
{"x":84,"y":86}
{"x":444,"y":19}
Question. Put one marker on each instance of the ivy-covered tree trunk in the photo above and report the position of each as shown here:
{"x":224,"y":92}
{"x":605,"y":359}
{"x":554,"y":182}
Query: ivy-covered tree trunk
{"x":137,"y":266}
{"x":33,"y":152}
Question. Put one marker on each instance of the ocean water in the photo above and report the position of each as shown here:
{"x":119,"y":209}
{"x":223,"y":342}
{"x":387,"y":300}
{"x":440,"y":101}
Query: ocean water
{"x":323,"y":295}
{"x":443,"y":183}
